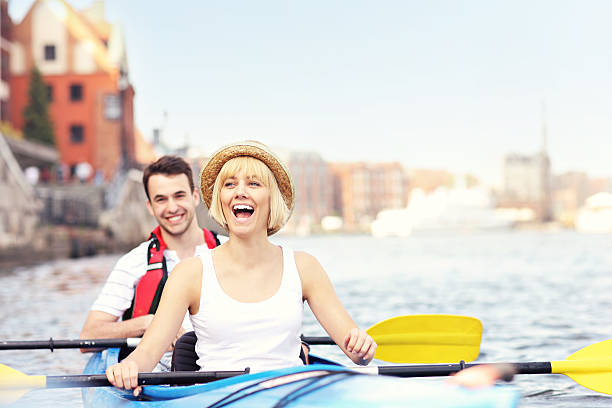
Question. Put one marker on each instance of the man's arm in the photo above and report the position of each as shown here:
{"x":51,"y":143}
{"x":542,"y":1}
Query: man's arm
{"x":102,"y":325}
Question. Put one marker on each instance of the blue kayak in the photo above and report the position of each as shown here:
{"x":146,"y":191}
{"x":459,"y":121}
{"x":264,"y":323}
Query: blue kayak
{"x":317,"y":385}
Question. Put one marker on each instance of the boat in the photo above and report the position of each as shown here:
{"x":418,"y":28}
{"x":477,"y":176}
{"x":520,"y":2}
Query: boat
{"x":322,"y":384}
{"x":459,"y":209}
{"x":596,"y":214}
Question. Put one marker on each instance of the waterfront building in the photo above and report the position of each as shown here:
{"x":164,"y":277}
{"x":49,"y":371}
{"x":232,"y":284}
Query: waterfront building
{"x":430,"y":180}
{"x":314,"y":196}
{"x":5,"y":41}
{"x":569,"y":193}
{"x":364,"y":189}
{"x":83,"y":61}
{"x":526,"y":183}
{"x":526,"y":179}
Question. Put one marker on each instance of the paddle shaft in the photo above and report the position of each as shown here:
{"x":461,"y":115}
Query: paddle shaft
{"x":439,"y":370}
{"x":68,"y":344}
{"x":109,"y":343}
{"x":317,"y":340}
{"x":175,"y":377}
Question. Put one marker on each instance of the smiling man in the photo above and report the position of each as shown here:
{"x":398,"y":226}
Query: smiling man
{"x":130,"y":297}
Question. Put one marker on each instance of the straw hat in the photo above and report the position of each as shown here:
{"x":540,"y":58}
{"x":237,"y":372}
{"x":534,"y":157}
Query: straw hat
{"x":254,"y":149}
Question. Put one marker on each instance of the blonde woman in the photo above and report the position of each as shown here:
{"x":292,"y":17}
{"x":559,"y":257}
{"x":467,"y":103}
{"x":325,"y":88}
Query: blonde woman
{"x":245,"y":298}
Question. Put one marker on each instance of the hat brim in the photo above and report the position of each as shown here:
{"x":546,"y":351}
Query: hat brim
{"x":257,"y":150}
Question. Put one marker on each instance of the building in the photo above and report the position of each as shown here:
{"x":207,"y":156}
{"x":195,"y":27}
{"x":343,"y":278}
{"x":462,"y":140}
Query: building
{"x":569,"y":192}
{"x":429,"y":180}
{"x":313,"y":189}
{"x":526,"y":183}
{"x":83,"y":61}
{"x":364,"y":189}
{"x":5,"y":41}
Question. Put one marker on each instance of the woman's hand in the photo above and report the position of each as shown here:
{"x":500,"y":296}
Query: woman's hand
{"x":359,"y":346}
{"x":124,"y":375}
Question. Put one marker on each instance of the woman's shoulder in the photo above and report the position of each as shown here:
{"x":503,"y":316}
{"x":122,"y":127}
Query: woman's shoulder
{"x":304,"y":259}
{"x":307,"y":264}
{"x":188,"y":268}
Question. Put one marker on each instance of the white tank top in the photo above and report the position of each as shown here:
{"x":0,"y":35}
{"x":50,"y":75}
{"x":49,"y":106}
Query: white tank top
{"x":264,"y":335}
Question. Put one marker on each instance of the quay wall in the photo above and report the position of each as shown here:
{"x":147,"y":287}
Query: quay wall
{"x":18,"y":204}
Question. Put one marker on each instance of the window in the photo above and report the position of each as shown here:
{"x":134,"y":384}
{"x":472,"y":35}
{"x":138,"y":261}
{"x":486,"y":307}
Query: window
{"x":76,"y":134}
{"x":49,"y":93}
{"x":4,"y":67}
{"x":76,"y":92}
{"x":49,"y":52}
{"x":4,"y":110}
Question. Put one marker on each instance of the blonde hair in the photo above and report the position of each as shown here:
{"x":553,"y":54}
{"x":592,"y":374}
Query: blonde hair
{"x":279,"y":213}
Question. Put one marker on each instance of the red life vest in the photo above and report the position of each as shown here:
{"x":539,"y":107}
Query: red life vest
{"x":149,"y":289}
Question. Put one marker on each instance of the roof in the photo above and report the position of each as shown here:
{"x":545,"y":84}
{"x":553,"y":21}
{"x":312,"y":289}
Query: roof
{"x":89,"y":27}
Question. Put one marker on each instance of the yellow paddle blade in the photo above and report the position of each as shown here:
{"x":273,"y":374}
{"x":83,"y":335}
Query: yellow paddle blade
{"x":590,"y":367}
{"x":13,"y":383}
{"x":427,"y":339}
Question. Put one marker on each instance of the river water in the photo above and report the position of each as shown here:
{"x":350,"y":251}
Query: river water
{"x":541,"y":296}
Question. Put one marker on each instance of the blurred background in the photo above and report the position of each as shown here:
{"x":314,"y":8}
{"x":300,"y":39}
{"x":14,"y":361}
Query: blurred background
{"x":395,"y":117}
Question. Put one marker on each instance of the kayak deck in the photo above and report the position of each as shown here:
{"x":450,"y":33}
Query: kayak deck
{"x":318,"y":385}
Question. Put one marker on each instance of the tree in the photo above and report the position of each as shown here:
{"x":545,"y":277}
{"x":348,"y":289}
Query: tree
{"x":38,"y":126}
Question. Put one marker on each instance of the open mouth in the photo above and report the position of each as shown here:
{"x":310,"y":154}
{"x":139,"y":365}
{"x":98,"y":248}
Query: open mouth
{"x":242,"y":210}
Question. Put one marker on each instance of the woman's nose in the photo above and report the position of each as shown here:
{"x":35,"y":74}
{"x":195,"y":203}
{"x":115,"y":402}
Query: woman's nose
{"x":241,"y":189}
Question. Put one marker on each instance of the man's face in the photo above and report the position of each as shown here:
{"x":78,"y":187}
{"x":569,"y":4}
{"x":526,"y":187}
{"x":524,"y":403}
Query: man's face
{"x":172,"y":202}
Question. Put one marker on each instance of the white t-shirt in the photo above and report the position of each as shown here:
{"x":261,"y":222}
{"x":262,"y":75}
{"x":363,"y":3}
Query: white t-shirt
{"x":118,"y":291}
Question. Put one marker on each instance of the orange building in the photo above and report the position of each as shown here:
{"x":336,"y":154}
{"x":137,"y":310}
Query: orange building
{"x":5,"y":41}
{"x":83,"y":61}
{"x":364,"y":189}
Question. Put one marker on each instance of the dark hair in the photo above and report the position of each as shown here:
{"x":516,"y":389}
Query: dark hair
{"x":169,"y":165}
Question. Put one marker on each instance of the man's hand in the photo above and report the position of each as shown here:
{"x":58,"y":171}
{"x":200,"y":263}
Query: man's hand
{"x":102,"y":325}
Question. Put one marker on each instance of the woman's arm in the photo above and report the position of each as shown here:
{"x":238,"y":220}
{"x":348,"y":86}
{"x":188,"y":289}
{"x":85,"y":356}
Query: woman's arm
{"x":181,"y":292}
{"x":318,"y":290}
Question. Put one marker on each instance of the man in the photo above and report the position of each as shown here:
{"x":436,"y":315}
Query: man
{"x":129,"y":299}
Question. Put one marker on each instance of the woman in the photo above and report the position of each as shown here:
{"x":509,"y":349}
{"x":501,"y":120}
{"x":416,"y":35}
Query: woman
{"x":245,"y":297}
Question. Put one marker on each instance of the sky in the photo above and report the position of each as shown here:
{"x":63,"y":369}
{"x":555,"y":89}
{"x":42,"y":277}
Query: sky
{"x":445,"y":84}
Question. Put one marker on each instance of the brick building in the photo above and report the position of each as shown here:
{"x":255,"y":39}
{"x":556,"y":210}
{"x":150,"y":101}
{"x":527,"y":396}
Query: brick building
{"x":83,"y":61}
{"x":5,"y":41}
{"x":364,"y":189}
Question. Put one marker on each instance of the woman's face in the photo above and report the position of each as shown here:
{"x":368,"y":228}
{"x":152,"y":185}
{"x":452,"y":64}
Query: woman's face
{"x":245,"y":202}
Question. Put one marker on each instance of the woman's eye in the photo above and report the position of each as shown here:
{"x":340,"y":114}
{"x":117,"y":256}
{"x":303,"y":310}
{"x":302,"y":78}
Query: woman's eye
{"x":228,"y":184}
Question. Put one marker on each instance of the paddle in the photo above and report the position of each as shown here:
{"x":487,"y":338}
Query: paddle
{"x":590,"y":367}
{"x":423,"y":338}
{"x":14,"y":384}
{"x":403,"y":339}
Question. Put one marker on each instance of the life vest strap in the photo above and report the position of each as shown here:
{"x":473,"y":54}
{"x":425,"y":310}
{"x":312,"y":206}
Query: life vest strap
{"x":147,"y":293}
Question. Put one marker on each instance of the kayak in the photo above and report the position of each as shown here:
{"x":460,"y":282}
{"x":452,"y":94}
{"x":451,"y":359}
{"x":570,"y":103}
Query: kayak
{"x":323,"y":384}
